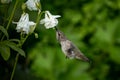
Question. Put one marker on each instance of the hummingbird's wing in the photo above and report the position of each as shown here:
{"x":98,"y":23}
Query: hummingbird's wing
{"x":74,"y":51}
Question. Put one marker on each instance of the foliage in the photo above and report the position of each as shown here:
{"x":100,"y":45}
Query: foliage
{"x":93,"y":25}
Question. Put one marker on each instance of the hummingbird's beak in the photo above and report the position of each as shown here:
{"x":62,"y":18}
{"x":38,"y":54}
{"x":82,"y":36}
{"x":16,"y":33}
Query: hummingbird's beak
{"x":57,"y":31}
{"x":56,"y":28}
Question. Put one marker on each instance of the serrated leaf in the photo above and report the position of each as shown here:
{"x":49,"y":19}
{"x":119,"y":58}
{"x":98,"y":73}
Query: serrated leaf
{"x":5,"y":52}
{"x":14,"y":46}
{"x":4,"y":31}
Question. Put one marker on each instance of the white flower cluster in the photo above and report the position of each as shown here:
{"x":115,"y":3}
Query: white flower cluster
{"x":23,"y":25}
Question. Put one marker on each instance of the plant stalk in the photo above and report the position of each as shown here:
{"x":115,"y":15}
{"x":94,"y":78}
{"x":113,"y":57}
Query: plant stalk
{"x":16,"y":60}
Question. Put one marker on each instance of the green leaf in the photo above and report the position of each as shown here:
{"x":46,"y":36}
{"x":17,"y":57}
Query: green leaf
{"x":5,"y":52}
{"x":15,"y":40}
{"x":4,"y":31}
{"x":14,"y":46}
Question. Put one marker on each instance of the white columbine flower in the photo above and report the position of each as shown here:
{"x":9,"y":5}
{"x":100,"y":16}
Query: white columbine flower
{"x":6,"y":1}
{"x":50,"y":20}
{"x":24,"y":24}
{"x":33,"y":5}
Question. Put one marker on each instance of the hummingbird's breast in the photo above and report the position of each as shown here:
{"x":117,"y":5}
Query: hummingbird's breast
{"x":65,"y":46}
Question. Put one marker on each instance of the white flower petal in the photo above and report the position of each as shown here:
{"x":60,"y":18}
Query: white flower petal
{"x":32,"y":23}
{"x":56,"y":16}
{"x":14,"y":22}
{"x":42,"y":21}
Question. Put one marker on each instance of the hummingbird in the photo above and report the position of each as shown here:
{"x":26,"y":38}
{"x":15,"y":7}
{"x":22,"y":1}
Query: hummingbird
{"x":68,"y":48}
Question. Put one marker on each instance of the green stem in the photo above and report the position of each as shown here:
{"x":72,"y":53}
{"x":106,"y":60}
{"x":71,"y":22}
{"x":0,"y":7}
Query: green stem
{"x":16,"y":60}
{"x":38,"y":19}
{"x":11,"y":16}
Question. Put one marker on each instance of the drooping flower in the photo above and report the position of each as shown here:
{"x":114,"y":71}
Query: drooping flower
{"x":6,"y":1}
{"x":50,"y":21}
{"x":33,"y":5}
{"x":23,"y":25}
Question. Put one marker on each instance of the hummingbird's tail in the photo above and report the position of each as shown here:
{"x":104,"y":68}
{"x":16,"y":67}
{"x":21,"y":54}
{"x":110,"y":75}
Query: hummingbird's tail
{"x":83,"y":57}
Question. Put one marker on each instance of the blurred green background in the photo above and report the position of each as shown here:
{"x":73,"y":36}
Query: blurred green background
{"x":93,"y":25}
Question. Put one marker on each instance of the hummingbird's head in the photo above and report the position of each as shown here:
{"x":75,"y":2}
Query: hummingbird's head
{"x":60,"y":36}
